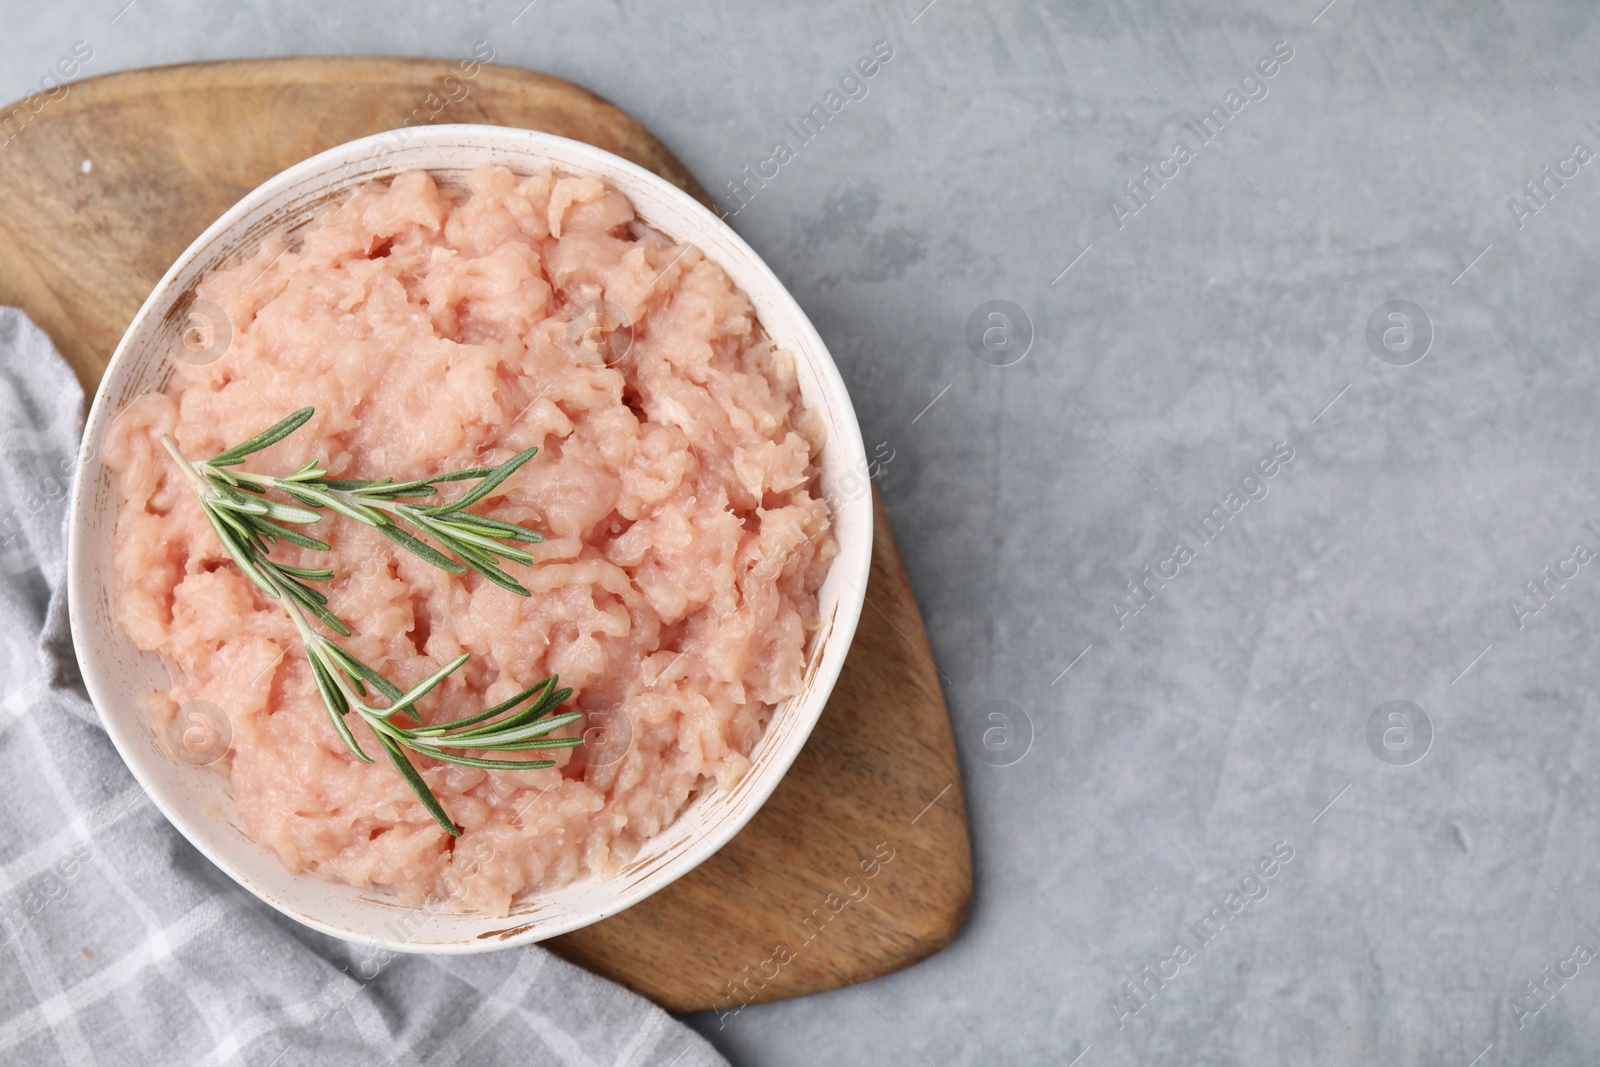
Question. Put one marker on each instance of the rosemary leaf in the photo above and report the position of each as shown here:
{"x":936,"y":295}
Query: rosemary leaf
{"x":324,"y":574}
{"x":498,"y":709}
{"x":285,"y":513}
{"x":490,"y":483}
{"x":420,"y":787}
{"x":485,"y":566}
{"x":458,"y":532}
{"x":295,"y":537}
{"x":465,"y":475}
{"x":494,"y":764}
{"x":532,"y":713}
{"x":499,"y":737}
{"x":266,"y":438}
{"x":426,"y":686}
{"x":495,"y":527}
{"x":402,"y":493}
{"x":421,"y":548}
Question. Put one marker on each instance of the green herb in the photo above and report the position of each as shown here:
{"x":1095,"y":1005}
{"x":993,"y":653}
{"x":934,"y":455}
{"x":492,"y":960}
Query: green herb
{"x":475,"y":539}
{"x":249,"y":525}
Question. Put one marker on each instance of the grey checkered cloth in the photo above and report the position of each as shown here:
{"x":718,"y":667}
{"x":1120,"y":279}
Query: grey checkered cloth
{"x":127,"y":946}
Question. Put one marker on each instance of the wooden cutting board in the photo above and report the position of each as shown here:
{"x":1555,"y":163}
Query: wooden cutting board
{"x":102,"y":188}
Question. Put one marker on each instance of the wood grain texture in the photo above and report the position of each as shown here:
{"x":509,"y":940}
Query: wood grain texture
{"x":804,"y":899}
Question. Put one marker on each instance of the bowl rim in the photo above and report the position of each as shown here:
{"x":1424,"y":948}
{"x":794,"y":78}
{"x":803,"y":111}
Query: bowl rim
{"x":854,"y":568}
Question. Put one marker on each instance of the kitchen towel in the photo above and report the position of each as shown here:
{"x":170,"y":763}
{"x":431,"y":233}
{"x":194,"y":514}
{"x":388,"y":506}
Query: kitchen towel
{"x":126,"y":946}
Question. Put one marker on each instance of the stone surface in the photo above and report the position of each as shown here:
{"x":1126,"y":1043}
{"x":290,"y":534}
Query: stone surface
{"x":1227,"y":315}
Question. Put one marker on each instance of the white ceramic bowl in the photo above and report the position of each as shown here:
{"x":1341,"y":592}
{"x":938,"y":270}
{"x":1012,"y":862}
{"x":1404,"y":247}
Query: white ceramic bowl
{"x":196,"y":799}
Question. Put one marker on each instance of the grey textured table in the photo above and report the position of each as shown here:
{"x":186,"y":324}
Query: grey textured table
{"x":1214,"y":839}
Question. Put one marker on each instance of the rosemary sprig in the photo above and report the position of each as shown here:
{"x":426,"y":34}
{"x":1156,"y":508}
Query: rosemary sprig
{"x":476,"y":540}
{"x":248,"y":525}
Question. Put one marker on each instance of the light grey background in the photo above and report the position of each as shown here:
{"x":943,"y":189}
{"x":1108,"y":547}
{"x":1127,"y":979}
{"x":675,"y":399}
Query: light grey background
{"x":1220,"y":320}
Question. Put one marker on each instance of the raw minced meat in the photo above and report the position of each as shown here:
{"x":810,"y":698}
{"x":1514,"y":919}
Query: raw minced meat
{"x":676,"y":488}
